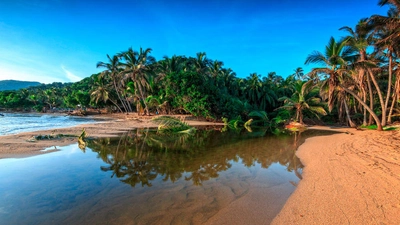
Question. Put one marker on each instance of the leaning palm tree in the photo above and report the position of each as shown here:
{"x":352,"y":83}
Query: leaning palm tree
{"x":304,"y":98}
{"x":335,"y":61}
{"x":112,"y":70}
{"x":387,"y":30}
{"x":100,"y":91}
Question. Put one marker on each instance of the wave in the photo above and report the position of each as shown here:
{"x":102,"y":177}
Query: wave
{"x":12,"y":123}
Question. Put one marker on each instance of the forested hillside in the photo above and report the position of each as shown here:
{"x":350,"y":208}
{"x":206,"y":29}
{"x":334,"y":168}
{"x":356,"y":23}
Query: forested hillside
{"x":16,"y":84}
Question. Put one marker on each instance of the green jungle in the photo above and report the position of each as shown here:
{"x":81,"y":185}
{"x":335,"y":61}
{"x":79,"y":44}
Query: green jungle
{"x":355,"y":81}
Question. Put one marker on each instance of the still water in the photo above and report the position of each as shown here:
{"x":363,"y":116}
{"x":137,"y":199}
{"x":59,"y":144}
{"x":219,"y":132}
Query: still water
{"x":147,"y":178}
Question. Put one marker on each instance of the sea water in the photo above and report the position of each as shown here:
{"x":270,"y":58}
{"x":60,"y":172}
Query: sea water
{"x":12,"y":123}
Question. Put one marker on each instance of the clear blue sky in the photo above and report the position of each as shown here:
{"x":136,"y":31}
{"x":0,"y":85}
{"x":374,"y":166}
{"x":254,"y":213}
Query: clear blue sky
{"x":62,"y":40}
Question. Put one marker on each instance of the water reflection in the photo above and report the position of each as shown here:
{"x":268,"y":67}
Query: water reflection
{"x":187,"y":180}
{"x":140,"y":156}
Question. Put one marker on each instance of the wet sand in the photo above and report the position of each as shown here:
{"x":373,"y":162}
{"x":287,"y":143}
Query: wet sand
{"x":351,"y":178}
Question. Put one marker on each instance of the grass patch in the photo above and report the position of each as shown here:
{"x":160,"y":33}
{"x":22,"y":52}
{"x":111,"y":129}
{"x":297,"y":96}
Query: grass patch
{"x":373,"y":127}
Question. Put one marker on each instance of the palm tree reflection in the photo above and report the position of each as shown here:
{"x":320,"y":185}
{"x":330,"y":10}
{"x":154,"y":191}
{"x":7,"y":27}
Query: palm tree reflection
{"x":140,"y":156}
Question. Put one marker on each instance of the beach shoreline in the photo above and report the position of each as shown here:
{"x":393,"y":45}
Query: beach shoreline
{"x":110,"y":125}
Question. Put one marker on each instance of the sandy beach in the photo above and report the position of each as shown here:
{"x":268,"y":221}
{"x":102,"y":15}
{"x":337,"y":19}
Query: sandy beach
{"x":349,"y":178}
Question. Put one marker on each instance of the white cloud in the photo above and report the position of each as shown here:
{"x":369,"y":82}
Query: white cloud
{"x":72,"y":77}
{"x":12,"y":72}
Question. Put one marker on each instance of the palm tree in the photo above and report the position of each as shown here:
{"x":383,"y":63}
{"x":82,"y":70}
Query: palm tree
{"x":100,"y":91}
{"x":335,"y":61}
{"x":303,"y":99}
{"x":168,"y":66}
{"x":136,"y":68}
{"x":387,"y":30}
{"x":228,"y":77}
{"x":201,"y":63}
{"x":268,"y":96}
{"x":253,"y":88}
{"x":216,"y":69}
{"x":113,"y":69}
{"x":387,"y":48}
{"x":299,"y":73}
{"x":359,"y":39}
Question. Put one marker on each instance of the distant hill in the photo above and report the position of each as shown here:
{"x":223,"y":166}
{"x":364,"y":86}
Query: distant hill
{"x":16,"y":84}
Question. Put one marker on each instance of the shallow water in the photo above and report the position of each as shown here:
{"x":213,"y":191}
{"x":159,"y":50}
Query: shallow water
{"x":12,"y":123}
{"x":147,"y":178}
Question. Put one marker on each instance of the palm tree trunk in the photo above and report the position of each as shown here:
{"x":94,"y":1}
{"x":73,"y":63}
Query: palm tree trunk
{"x":380,"y":96}
{"x":371,"y":99}
{"x":362,"y":76}
{"x":116,"y":105}
{"x":389,"y":89}
{"x":376,"y":118}
{"x":129,"y":105}
{"x":365,"y":110}
{"x":117,"y":90}
{"x":341,"y":112}
{"x":351,"y":123}
{"x":299,"y":115}
{"x":396,"y":92}
{"x":146,"y":109}
{"x":391,"y":108}
{"x":127,"y":102}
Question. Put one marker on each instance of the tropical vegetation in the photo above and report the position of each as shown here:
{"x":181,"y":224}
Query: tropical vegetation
{"x":355,"y":81}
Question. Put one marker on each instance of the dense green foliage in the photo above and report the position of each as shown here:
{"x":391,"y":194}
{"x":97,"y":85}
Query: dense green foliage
{"x":349,"y":84}
{"x":8,"y":85}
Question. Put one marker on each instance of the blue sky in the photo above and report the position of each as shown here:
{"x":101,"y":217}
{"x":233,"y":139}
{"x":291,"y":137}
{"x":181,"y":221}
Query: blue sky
{"x":62,"y":40}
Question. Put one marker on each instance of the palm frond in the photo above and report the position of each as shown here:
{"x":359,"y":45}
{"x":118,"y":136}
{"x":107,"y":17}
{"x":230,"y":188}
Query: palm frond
{"x":316,"y":57}
{"x":171,"y":124}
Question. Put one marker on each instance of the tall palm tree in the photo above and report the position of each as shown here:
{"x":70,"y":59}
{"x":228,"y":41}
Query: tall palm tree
{"x":112,"y":70}
{"x":387,"y":29}
{"x":387,"y":48}
{"x":359,"y":39}
{"x":136,"y":68}
{"x":335,"y":61}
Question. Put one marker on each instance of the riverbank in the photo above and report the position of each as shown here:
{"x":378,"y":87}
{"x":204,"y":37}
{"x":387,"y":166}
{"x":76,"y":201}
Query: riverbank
{"x":17,"y":145}
{"x":348,"y":178}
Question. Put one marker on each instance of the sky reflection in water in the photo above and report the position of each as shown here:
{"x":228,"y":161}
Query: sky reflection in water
{"x":143,"y":177}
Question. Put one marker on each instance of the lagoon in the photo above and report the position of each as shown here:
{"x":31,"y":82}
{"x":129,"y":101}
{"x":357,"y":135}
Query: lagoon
{"x":144,"y":177}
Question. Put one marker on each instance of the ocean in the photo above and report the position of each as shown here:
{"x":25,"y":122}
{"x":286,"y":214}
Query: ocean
{"x":13,"y":123}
